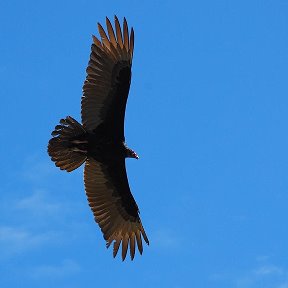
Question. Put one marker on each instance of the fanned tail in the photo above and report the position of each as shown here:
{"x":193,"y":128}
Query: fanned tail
{"x":65,"y":148}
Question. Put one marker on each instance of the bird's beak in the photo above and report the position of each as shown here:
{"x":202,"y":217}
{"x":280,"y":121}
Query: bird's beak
{"x":136,"y":156}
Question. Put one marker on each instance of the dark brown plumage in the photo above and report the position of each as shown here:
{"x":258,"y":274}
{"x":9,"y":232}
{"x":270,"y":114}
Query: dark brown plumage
{"x":100,"y":142}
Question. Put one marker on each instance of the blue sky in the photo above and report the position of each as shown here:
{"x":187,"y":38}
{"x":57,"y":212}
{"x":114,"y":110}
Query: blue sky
{"x":207,"y":113}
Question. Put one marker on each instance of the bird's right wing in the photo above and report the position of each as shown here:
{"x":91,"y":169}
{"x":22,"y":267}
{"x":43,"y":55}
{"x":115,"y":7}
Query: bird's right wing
{"x":107,"y":84}
{"x":113,"y":205}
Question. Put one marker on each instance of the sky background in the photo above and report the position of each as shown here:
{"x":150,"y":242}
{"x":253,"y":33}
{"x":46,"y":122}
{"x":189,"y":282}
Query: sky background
{"x":207,"y":113}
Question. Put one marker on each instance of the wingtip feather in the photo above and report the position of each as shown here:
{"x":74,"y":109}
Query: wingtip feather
{"x":116,"y":246}
{"x":111,"y":32}
{"x":125,"y":242}
{"x":118,"y":32}
{"x":125,"y":33}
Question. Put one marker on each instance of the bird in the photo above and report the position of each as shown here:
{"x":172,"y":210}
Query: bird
{"x":99,"y":142}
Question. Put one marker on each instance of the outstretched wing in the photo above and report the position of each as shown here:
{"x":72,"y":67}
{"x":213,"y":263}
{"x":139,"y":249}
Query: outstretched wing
{"x":107,"y":84}
{"x":113,"y":205}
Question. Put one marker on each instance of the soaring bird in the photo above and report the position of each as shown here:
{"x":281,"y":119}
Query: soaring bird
{"x":99,"y":141}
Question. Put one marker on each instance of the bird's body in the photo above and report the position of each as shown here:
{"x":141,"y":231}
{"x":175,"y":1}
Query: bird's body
{"x":98,"y":147}
{"x":100,"y":141}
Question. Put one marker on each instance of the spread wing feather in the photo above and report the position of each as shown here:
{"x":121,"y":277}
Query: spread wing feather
{"x":107,"y":83}
{"x":113,"y":205}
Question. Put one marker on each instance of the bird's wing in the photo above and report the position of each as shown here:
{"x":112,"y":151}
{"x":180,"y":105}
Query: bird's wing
{"x":106,"y":88}
{"x":113,"y":205}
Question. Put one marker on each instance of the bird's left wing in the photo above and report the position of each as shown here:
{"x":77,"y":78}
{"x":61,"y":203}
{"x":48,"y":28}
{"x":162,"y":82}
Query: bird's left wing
{"x":113,"y":205}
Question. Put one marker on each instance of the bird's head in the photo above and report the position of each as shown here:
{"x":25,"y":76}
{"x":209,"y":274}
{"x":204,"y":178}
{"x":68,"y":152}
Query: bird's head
{"x":134,"y":155}
{"x":130,"y":153}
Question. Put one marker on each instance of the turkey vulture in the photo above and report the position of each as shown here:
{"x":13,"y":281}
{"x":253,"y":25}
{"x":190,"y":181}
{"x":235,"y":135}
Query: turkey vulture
{"x":100,"y":141}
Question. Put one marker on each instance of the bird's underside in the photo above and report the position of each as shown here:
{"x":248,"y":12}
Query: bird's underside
{"x":99,"y":141}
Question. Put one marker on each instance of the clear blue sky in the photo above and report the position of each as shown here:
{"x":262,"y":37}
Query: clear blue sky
{"x":207,"y":113}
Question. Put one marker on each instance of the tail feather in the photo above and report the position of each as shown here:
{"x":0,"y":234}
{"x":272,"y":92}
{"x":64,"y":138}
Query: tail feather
{"x":60,"y":147}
